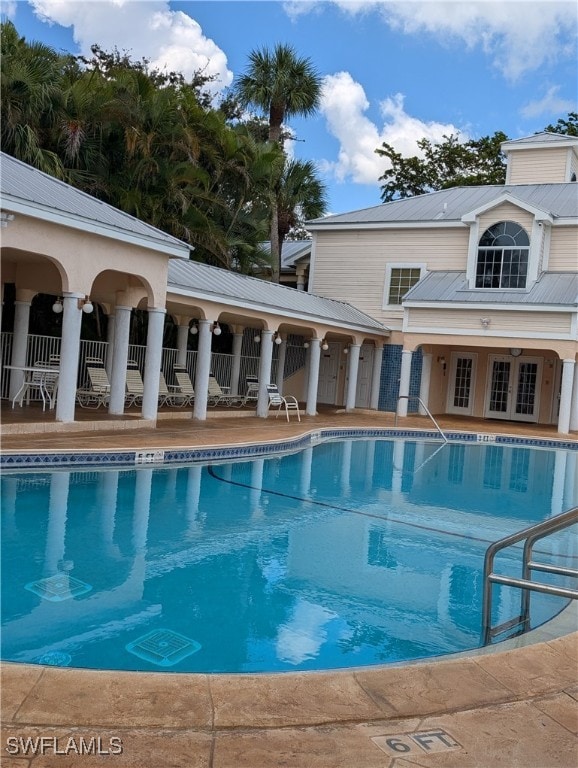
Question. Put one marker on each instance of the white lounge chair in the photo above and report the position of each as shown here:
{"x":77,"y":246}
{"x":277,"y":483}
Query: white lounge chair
{"x":183,"y":392}
{"x":98,"y":393}
{"x":218,"y":395}
{"x":134,"y":385}
{"x":288,"y":403}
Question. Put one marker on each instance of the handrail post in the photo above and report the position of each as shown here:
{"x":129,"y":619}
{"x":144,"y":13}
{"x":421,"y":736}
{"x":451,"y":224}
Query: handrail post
{"x":426,"y":409}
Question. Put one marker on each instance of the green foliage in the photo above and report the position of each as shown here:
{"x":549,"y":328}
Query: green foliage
{"x":447,"y":164}
{"x":568,"y":126}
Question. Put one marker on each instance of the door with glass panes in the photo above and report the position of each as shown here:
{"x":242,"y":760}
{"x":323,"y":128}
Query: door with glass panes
{"x":513,"y":389}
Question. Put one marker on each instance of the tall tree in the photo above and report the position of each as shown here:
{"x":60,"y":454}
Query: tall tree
{"x":301,"y":196}
{"x":567,"y":125}
{"x":282,"y":85}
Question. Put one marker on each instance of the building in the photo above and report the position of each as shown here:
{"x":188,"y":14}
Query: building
{"x":478,"y":285}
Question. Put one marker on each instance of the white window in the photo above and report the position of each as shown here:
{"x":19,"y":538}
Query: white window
{"x":399,"y":278}
{"x":503,"y":254}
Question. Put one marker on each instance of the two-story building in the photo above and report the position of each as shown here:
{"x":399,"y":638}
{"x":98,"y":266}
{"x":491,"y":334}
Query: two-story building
{"x":479,"y":286}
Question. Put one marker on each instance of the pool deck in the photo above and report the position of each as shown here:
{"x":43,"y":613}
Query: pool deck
{"x":516,"y":707}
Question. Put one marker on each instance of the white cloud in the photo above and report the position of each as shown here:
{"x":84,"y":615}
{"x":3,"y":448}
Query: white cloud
{"x":8,"y":8}
{"x":519,"y":36}
{"x":549,"y":104}
{"x":170,"y":40}
{"x":344,"y":104}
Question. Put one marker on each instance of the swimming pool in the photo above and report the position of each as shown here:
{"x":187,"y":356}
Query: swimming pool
{"x":348,"y":553}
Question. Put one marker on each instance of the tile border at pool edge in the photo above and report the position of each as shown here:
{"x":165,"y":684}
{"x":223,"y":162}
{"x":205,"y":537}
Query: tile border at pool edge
{"x":158,"y":456}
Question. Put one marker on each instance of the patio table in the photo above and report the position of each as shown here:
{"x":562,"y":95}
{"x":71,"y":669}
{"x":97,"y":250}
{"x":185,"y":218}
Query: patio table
{"x":35,"y":377}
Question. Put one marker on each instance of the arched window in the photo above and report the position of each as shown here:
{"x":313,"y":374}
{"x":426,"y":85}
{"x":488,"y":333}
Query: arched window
{"x":503,"y":256}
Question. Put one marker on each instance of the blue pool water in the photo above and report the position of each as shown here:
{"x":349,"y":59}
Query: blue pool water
{"x":348,"y":553}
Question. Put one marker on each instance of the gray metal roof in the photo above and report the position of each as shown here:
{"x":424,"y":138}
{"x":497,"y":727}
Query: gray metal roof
{"x":21,"y":183}
{"x":544,"y":137}
{"x":220,"y":284}
{"x":449,"y":205}
{"x":551,"y":288}
{"x":291,"y":252}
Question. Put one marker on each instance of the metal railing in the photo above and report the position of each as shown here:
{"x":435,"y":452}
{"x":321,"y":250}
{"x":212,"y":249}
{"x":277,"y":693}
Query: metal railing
{"x":426,"y":409}
{"x":530,"y":535}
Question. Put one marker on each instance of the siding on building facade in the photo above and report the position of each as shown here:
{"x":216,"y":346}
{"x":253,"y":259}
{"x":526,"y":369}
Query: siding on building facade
{"x":538,"y":166}
{"x":564,"y":249}
{"x":523,"y":324}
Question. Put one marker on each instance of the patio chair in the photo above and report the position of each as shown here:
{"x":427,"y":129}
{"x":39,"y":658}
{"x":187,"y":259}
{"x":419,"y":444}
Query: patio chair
{"x":184,"y":392}
{"x":134,"y":385}
{"x":219,"y":396}
{"x":98,"y":393}
{"x":251,"y":390}
{"x":165,"y":396}
{"x":44,"y":381}
{"x":289,"y":403}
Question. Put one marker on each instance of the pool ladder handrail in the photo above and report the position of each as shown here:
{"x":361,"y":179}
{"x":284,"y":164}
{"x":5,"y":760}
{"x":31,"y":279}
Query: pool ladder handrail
{"x":530,"y":536}
{"x":424,"y":406}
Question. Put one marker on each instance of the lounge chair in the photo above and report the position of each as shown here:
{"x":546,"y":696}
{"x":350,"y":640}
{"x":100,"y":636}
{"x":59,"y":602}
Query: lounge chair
{"x":165,"y":396}
{"x":218,"y":395}
{"x":98,"y":393}
{"x":134,"y":385}
{"x":251,"y":390}
{"x":289,"y":403}
{"x":183,"y":391}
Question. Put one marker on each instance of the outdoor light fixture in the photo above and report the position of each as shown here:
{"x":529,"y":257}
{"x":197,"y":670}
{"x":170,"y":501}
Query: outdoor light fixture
{"x":346,"y":350}
{"x":278,"y":339}
{"x":485,"y":321}
{"x":216,"y":329}
{"x":516,"y":351}
{"x":57,"y":306}
{"x":306,"y":345}
{"x":86,"y":305}
{"x":257,"y":339}
{"x":324,"y":345}
{"x":194,"y":329}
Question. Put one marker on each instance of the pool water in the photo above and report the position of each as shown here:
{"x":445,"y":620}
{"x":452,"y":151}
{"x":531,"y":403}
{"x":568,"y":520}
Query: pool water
{"x":348,"y":553}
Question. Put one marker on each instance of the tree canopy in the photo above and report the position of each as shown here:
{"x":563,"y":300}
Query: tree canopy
{"x":452,"y":163}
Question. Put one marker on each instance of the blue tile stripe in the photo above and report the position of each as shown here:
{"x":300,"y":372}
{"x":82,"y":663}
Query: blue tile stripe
{"x":96,"y":459}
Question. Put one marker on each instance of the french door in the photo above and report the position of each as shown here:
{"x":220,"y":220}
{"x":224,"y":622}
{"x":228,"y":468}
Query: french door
{"x":513,"y":389}
{"x":462,"y":383}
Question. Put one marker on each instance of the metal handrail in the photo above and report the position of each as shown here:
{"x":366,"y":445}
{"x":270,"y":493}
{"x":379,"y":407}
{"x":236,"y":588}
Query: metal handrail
{"x":424,"y":406}
{"x":530,"y":535}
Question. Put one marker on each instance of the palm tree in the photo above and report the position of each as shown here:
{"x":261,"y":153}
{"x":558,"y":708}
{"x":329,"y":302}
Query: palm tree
{"x":283,"y":85}
{"x":301,"y":196}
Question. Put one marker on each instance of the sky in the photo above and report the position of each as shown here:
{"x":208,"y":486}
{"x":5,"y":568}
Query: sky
{"x":392,"y":72}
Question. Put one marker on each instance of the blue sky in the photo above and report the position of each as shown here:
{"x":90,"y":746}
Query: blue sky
{"x":393,"y":71}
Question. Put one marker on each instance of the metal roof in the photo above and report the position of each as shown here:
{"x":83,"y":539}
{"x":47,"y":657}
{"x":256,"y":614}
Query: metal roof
{"x":545,"y":137}
{"x":219,"y":285}
{"x":22,"y":185}
{"x":551,"y":288}
{"x":292,"y":251}
{"x":449,"y":205}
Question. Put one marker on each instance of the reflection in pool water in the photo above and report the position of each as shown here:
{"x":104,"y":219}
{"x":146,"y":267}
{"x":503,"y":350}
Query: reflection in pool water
{"x":350,"y":553}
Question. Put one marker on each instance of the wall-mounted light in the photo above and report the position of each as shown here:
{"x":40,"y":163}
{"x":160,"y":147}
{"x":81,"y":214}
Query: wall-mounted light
{"x":324,"y":345}
{"x":217,"y":329}
{"x":86,"y":305}
{"x":346,"y":350}
{"x":278,"y":339}
{"x":442,"y":362}
{"x":516,"y":351}
{"x":257,"y":339}
{"x":306,"y":345}
{"x":57,"y":307}
{"x":194,"y":329}
{"x":485,"y":321}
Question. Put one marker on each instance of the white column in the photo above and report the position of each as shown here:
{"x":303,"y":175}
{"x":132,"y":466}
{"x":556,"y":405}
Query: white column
{"x":182,"y":343}
{"x":306,"y":371}
{"x":264,"y":372}
{"x":574,"y":404}
{"x":69,"y":354}
{"x":300,"y":275}
{"x":119,"y":360}
{"x":404,"y":381}
{"x":236,"y":367}
{"x":353,"y":368}
{"x":19,"y":344}
{"x":566,"y":396}
{"x":109,"y":345}
{"x":281,"y":365}
{"x":150,"y":400}
{"x":424,"y":385}
{"x":203,"y":371}
{"x":376,"y":377}
{"x":313,"y":381}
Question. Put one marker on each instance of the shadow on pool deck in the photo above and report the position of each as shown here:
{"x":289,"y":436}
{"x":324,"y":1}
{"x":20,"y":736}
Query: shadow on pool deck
{"x":516,"y":707}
